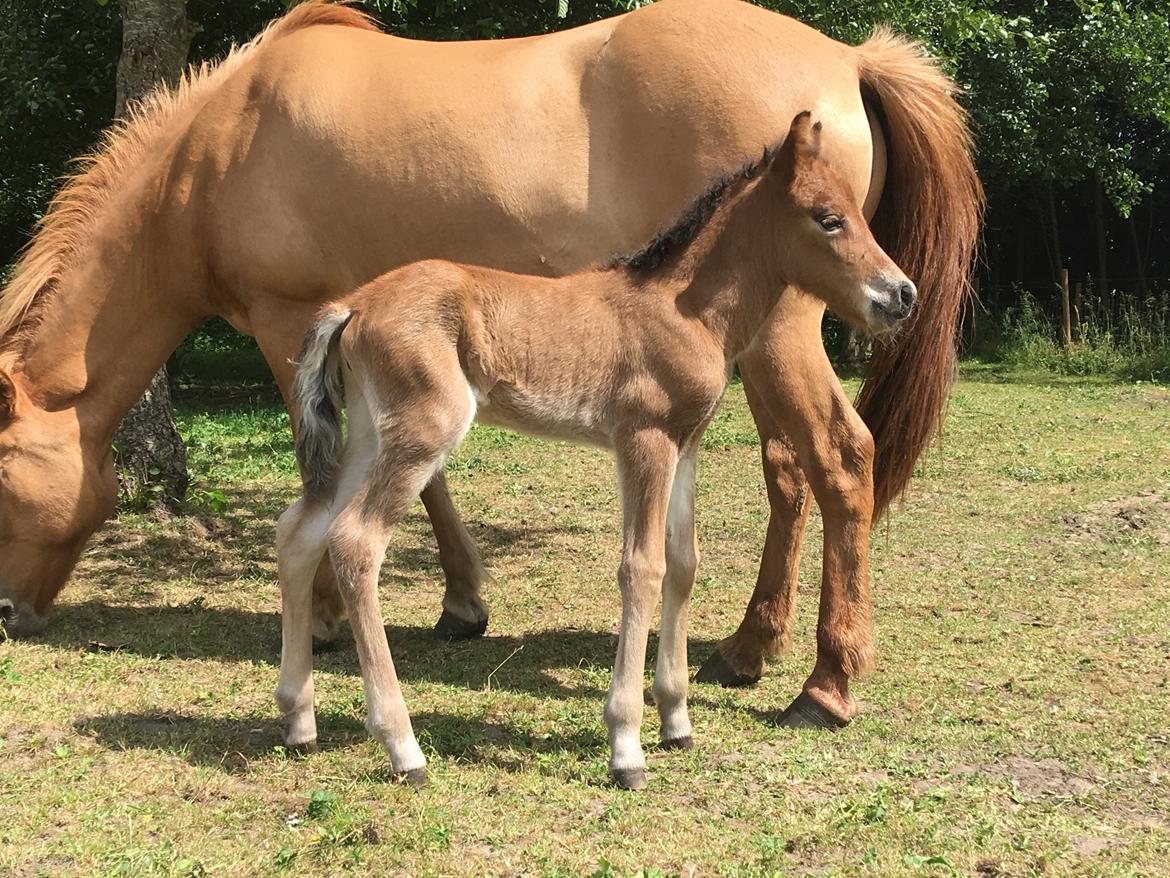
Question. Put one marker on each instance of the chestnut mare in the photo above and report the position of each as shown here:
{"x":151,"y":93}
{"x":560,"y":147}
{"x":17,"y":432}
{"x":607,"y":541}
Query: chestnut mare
{"x":634,"y":357}
{"x":325,"y":153}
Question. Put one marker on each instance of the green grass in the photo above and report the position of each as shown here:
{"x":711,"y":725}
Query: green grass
{"x":1016,"y":723}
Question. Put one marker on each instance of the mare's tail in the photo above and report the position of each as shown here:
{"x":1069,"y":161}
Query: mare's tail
{"x":317,"y":401}
{"x":928,"y":221}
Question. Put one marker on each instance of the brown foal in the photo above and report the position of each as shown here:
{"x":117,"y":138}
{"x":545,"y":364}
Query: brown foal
{"x":634,"y":356}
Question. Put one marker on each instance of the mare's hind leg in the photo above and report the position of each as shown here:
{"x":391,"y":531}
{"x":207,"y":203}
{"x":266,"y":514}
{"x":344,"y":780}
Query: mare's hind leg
{"x":835,"y":450}
{"x":766,"y":629}
{"x":682,"y":559}
{"x":465,"y":615}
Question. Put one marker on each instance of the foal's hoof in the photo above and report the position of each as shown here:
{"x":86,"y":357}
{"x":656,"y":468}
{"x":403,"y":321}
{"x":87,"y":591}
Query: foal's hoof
{"x":807,"y":713}
{"x":303,"y":749}
{"x":684,"y":743}
{"x":629,"y":778}
{"x":718,"y":670}
{"x":416,"y":777}
{"x":451,"y":627}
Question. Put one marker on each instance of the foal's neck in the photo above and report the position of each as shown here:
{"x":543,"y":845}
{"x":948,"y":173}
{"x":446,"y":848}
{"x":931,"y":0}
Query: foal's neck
{"x":728,"y":278}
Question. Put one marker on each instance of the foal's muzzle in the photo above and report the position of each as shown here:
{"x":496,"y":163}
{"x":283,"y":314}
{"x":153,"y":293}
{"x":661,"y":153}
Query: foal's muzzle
{"x":893,"y":299}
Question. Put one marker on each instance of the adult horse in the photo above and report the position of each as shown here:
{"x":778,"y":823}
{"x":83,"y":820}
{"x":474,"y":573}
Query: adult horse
{"x":324,"y":153}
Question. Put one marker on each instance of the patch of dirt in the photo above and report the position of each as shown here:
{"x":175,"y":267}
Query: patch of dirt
{"x":1144,"y":517}
{"x":1035,"y":779}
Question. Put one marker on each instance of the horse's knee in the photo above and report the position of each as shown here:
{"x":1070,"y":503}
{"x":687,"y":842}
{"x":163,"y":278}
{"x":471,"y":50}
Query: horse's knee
{"x":842,"y":473}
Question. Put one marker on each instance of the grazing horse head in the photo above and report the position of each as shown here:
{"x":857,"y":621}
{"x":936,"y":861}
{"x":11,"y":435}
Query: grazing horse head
{"x":826,"y":246}
{"x":54,"y":492}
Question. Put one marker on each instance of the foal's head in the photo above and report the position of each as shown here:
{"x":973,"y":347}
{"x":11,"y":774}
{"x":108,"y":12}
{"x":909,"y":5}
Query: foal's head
{"x":825,"y":245}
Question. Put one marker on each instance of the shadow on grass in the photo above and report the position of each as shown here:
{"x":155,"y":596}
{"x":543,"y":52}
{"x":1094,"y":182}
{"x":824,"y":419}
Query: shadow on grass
{"x":232,"y":745}
{"x":236,"y":543}
{"x":499,"y":661}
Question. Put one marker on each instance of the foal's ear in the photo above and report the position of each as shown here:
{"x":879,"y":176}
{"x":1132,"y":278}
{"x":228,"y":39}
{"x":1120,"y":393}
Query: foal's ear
{"x":803,"y":142}
{"x":8,"y":397}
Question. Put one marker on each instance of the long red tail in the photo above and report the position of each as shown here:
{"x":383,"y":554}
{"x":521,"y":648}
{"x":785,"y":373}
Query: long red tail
{"x":928,"y":221}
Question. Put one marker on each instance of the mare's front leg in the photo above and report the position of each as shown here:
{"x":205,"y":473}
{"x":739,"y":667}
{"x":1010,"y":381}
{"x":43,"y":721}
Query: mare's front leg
{"x":646,"y":467}
{"x":835,"y":450}
{"x":464,"y":615}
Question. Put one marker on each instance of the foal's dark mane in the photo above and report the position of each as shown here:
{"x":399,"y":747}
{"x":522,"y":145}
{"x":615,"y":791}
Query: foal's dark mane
{"x":675,"y":238}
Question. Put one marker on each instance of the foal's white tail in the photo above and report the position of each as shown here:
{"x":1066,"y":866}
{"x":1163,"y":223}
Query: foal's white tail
{"x":318,"y":399}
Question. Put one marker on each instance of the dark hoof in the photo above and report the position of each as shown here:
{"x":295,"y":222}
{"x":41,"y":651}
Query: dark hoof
{"x":629,"y":778}
{"x":717,"y":670}
{"x":687,"y":743}
{"x":302,"y":749}
{"x":451,"y":627}
{"x":806,"y":713}
{"x":416,"y":777}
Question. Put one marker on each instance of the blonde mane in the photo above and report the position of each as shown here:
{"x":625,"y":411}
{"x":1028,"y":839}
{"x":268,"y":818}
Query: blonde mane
{"x":68,"y":220}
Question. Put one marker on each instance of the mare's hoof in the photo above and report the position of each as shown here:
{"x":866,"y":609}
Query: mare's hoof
{"x":302,"y":749}
{"x":684,"y":743}
{"x":629,"y":778}
{"x":416,"y":777}
{"x":451,"y":627}
{"x":807,"y":713}
{"x":717,"y":670}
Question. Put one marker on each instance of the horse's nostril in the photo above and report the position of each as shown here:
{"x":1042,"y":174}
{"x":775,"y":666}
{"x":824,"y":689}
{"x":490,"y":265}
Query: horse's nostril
{"x":908,"y":295}
{"x":7,"y":610}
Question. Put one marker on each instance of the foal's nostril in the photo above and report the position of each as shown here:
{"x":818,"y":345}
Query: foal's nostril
{"x":908,"y":295}
{"x":7,"y":610}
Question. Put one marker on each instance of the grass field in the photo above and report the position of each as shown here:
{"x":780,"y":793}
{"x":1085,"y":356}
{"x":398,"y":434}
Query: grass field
{"x":1018,"y":722}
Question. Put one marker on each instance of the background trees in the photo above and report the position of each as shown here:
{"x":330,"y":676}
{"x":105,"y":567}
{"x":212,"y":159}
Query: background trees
{"x":1070,"y":100}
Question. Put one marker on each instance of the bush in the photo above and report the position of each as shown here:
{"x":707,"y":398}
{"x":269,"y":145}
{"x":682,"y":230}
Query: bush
{"x":1134,"y":344}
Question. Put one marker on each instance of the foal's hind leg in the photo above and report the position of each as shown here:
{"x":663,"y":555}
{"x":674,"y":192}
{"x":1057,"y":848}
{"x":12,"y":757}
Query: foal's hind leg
{"x":464,"y":614}
{"x":415,"y":440}
{"x":301,"y":538}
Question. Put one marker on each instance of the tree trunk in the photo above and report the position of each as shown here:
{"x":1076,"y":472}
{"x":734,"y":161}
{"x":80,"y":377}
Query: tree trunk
{"x":151,"y":456}
{"x":851,"y":346}
{"x":1054,"y":230}
{"x":1139,"y":259}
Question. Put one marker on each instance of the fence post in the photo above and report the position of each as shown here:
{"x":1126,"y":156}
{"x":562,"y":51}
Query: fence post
{"x":1078,"y":306}
{"x":1066,"y":307}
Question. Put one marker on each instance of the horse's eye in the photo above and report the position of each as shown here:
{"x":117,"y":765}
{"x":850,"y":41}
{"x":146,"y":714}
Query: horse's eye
{"x":830,"y":222}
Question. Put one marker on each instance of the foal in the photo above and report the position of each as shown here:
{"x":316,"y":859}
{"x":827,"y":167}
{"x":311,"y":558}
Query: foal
{"x":633,"y":356}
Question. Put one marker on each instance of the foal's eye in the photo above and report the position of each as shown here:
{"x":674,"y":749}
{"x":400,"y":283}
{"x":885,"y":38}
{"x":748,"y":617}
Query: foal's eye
{"x":830,"y":222}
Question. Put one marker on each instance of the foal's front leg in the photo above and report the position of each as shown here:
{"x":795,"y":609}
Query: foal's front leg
{"x":671,"y":676}
{"x":646,"y":466}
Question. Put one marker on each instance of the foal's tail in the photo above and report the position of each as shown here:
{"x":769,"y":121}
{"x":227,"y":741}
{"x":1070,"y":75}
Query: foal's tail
{"x":317,"y":400}
{"x":928,"y":221}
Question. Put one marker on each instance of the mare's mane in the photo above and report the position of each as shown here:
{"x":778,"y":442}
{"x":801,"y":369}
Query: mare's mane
{"x":68,"y":222}
{"x":677,"y":237}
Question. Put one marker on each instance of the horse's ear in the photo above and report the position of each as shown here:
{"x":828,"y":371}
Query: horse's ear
{"x":8,"y":397}
{"x":803,"y":142}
